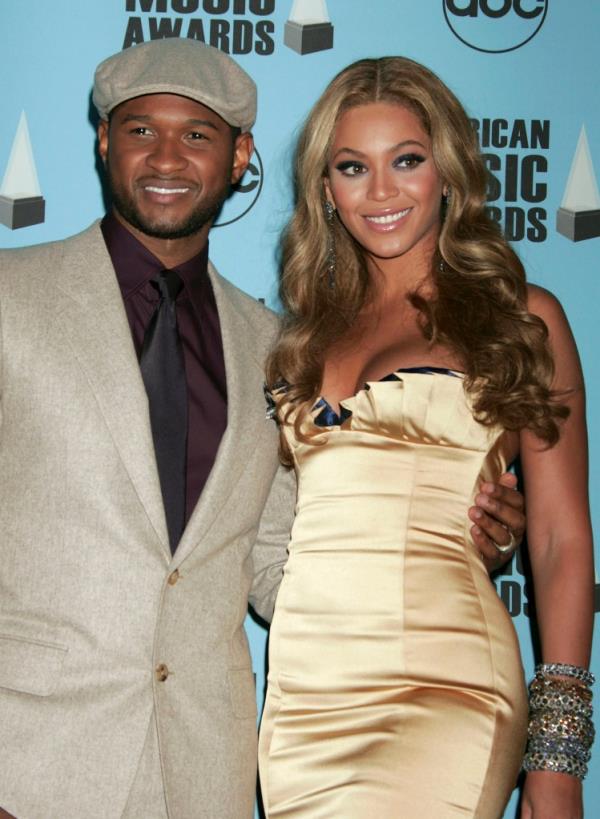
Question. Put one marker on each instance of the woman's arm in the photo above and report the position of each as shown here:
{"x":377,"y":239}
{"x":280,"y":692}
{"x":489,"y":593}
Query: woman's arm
{"x":560,"y":544}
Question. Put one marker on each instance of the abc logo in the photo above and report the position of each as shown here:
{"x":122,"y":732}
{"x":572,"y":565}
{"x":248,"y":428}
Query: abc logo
{"x":244,"y":194}
{"x":495,"y":26}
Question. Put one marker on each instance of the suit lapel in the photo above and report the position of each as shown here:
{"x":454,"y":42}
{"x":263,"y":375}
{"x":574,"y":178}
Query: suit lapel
{"x":244,"y":374}
{"x":95,"y":321}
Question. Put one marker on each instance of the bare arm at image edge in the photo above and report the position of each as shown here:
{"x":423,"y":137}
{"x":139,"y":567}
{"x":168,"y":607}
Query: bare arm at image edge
{"x":560,"y":545}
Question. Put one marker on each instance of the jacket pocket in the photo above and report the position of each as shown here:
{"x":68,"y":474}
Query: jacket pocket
{"x":30,"y":666}
{"x":243,"y":693}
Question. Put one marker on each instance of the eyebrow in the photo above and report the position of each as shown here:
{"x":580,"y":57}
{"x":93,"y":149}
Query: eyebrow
{"x":397,"y":147}
{"x":148,"y":118}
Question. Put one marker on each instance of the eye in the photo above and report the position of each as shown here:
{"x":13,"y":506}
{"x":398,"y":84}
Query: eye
{"x":141,"y":130}
{"x":350,"y":168}
{"x":408,"y":161}
{"x":196,"y":136}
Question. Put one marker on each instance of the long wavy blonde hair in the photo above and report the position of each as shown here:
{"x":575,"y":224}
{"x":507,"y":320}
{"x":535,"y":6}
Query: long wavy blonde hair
{"x":479,"y":307}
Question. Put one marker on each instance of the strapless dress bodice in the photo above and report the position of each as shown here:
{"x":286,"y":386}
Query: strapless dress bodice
{"x":411,"y":435}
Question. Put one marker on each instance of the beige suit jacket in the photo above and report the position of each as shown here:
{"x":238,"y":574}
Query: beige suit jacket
{"x":91,"y":601}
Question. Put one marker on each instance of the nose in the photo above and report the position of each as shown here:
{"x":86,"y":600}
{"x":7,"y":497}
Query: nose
{"x":166,"y":156}
{"x":383,"y":184}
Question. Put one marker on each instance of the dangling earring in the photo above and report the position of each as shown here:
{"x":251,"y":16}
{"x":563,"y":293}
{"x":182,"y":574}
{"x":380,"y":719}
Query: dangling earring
{"x":441,"y":264}
{"x":331,"y":256}
{"x":446,"y":196}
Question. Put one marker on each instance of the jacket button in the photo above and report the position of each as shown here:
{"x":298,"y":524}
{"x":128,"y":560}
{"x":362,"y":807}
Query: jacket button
{"x":173,"y":577}
{"x":162,"y":672}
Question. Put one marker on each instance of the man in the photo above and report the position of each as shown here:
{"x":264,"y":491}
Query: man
{"x":129,"y":552}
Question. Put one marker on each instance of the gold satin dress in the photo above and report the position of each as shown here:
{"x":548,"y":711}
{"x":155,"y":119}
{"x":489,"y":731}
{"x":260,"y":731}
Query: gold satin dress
{"x":395,"y":687}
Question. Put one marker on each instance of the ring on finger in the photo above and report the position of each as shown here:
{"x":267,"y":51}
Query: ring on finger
{"x":508,"y":547}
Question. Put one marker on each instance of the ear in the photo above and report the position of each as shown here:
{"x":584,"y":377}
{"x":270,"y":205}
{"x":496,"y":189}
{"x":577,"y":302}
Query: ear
{"x":103,"y":139}
{"x":327,"y":190}
{"x":242,"y":152}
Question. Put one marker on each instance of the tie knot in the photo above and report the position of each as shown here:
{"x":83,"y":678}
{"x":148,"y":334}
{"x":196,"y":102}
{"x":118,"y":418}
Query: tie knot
{"x":169,"y":284}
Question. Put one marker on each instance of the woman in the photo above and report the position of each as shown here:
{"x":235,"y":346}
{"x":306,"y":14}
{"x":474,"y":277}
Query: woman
{"x":414,"y":362}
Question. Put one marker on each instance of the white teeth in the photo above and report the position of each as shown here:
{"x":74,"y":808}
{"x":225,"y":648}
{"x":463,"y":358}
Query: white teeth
{"x":154,"y":189}
{"x":389,"y":218}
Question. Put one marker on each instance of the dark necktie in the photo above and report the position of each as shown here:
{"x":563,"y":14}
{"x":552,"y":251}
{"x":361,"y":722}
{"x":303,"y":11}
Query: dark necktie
{"x":163,"y":372}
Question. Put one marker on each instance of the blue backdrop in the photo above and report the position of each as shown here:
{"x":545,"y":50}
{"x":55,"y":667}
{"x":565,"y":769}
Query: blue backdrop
{"x":525,"y":69}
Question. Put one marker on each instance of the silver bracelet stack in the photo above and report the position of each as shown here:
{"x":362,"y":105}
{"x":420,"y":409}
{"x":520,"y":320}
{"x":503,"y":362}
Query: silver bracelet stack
{"x":561,"y":731}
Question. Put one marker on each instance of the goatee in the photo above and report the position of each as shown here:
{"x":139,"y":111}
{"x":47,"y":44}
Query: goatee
{"x":204,"y":213}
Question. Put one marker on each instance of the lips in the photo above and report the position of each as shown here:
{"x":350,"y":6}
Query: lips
{"x":388,"y":219}
{"x":164,"y":189}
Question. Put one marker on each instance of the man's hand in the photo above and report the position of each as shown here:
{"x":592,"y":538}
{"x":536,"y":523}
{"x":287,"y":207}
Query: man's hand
{"x":498,"y":520}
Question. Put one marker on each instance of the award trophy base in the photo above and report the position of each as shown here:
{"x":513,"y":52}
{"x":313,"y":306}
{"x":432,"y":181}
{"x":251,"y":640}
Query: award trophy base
{"x":578,"y":225}
{"x":308,"y":37}
{"x":22,"y":212}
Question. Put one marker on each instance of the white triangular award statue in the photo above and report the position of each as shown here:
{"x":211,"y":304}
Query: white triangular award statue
{"x":579,"y":214}
{"x":21,"y":200}
{"x":309,"y":28}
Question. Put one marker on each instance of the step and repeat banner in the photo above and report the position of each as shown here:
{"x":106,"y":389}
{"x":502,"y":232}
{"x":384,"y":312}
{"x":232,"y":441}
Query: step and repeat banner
{"x":526,"y":71}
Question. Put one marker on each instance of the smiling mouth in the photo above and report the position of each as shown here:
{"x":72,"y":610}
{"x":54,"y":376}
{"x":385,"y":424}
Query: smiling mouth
{"x":164,"y":191}
{"x":388,"y":218}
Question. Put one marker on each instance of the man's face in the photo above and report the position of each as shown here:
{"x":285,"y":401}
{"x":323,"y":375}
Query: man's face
{"x":170,"y":163}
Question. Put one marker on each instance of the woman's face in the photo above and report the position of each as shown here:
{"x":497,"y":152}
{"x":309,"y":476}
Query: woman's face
{"x":383,"y":180}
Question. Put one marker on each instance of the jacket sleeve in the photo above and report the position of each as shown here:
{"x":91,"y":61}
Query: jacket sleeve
{"x":1,"y":366}
{"x":270,"y":550}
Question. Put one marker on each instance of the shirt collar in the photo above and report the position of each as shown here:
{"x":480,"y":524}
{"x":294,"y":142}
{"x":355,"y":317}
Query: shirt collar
{"x":135,"y":265}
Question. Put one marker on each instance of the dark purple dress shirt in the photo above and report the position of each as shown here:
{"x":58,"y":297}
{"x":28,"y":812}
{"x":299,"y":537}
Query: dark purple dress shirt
{"x":200,"y":333}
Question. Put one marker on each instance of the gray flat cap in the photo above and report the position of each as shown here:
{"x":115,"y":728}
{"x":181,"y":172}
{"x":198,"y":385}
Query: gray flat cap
{"x":188,"y":68}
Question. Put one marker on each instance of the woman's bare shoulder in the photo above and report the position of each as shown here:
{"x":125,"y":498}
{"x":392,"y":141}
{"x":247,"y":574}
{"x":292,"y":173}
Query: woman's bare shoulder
{"x":543,"y":303}
{"x":538,"y":298}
